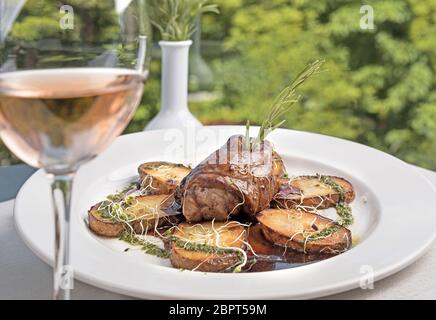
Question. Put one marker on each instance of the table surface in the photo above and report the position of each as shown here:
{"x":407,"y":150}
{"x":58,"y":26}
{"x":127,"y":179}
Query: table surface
{"x":24,"y":276}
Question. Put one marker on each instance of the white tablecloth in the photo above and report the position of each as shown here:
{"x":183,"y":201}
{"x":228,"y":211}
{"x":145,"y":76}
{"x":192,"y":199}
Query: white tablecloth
{"x":24,"y":276}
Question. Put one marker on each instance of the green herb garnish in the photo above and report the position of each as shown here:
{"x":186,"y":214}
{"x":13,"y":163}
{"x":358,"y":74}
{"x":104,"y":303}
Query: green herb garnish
{"x":332,"y":184}
{"x":345,"y":214}
{"x":202,"y":247}
{"x":146,"y":246}
{"x":175,"y":19}
{"x":115,"y":206}
{"x":324,"y":233}
{"x":343,"y":210}
{"x":285,"y":100}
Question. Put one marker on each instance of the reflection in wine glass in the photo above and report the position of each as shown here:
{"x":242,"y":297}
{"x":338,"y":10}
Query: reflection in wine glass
{"x":67,"y":93}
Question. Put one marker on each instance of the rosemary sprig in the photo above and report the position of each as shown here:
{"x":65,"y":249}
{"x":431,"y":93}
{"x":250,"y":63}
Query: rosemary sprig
{"x":247,"y":139}
{"x":285,"y":100}
{"x":175,"y":19}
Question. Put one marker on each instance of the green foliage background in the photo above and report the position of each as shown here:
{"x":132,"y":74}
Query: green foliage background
{"x":379,"y":87}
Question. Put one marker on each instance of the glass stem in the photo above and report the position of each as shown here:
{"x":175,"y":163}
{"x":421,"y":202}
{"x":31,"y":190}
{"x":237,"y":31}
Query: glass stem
{"x":63,"y":276}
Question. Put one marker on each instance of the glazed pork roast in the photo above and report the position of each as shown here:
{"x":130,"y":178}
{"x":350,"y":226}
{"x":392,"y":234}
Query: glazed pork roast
{"x":231,"y":180}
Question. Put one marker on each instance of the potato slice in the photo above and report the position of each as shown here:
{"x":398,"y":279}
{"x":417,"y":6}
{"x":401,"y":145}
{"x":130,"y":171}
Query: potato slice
{"x":260,"y":245}
{"x":266,"y":249}
{"x":290,"y":228}
{"x":219,"y":234}
{"x":309,"y":191}
{"x":147,"y":212}
{"x":161,"y":177}
{"x":105,"y":227}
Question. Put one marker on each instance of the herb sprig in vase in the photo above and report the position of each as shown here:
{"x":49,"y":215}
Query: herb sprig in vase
{"x":175,"y":20}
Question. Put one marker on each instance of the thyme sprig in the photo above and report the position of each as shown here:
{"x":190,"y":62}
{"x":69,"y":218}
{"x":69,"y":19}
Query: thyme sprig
{"x":285,"y":100}
{"x":175,"y":19}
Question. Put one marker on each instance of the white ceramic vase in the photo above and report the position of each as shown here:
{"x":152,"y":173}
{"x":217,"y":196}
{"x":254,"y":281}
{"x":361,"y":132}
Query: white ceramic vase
{"x":174,"y":112}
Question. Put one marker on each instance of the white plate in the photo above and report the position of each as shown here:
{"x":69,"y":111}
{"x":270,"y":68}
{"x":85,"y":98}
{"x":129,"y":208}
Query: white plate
{"x":394,"y":212}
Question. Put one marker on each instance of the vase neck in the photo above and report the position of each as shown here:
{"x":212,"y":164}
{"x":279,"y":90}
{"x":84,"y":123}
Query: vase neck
{"x":175,"y":66}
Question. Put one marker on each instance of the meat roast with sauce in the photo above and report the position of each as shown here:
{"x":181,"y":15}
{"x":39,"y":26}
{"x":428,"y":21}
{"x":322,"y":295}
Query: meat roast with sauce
{"x":230,"y":180}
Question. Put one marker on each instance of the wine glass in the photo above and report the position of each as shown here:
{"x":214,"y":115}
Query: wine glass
{"x":71,"y":77}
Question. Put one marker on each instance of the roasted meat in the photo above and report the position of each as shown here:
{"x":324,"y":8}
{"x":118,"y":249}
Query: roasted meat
{"x":230,"y":180}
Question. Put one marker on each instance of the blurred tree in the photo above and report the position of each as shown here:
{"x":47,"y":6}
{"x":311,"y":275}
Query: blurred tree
{"x":39,"y":19}
{"x":378,"y":88}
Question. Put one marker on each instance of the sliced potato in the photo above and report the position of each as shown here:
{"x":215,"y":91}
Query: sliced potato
{"x":227,"y":235}
{"x":266,"y":249}
{"x":103,"y":226}
{"x":309,"y":191}
{"x":146,"y":212}
{"x":291,"y":229}
{"x":161,"y":177}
